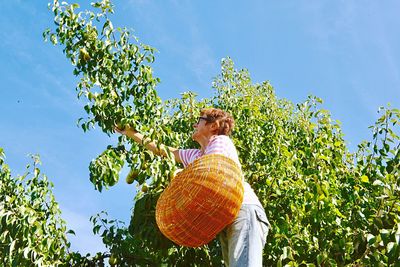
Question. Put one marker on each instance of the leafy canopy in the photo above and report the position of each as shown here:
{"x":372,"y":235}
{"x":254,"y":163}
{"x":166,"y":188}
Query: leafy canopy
{"x":31,"y":229}
{"x":327,"y":206}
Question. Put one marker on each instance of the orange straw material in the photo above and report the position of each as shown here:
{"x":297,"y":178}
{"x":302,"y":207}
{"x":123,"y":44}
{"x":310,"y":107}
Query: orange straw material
{"x":200,"y":201}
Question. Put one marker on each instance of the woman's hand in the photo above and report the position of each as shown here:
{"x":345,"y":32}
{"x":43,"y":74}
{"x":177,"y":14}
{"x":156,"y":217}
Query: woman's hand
{"x":124,"y":130}
{"x":118,"y":130}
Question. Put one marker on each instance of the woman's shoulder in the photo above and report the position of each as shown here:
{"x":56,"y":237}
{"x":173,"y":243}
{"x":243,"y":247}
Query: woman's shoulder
{"x":221,"y":138}
{"x":220,"y":142}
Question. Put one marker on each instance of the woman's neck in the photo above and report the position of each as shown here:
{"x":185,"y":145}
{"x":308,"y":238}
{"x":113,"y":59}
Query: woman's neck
{"x":204,"y":141}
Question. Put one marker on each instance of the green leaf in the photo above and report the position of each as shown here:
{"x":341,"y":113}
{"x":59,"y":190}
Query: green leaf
{"x":320,"y":258}
{"x":72,"y":232}
{"x":12,"y":246}
{"x":96,"y":229}
{"x":371,"y":239}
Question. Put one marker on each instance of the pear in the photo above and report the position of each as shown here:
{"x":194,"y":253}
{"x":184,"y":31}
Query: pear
{"x":113,"y":260}
{"x":133,"y":174}
{"x":92,"y":35}
{"x":83,"y":54}
{"x":145,"y":188}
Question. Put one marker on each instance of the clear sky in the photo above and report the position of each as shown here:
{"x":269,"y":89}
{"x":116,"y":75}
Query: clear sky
{"x":346,"y":52}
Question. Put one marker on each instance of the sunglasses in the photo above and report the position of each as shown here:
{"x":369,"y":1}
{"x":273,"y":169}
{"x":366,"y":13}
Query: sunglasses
{"x":203,"y":118}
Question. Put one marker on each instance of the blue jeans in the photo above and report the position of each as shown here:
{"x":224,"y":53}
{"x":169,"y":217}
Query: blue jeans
{"x":243,"y":241}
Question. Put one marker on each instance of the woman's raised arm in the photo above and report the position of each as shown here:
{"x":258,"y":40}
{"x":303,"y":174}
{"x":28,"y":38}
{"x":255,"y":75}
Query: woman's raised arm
{"x":149,"y":144}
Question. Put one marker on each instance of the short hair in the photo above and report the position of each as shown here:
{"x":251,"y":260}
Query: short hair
{"x":223,"y":119}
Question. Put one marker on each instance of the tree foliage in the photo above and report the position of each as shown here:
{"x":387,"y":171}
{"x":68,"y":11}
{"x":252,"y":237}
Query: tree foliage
{"x":31,"y":230}
{"x":327,"y":206}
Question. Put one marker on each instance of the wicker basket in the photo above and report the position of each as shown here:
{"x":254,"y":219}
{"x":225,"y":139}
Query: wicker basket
{"x":200,"y":201}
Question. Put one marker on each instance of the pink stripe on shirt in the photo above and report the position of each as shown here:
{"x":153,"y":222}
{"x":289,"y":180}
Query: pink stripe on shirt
{"x":219,"y":144}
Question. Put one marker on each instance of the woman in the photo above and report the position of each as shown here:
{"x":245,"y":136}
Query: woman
{"x":242,"y":241}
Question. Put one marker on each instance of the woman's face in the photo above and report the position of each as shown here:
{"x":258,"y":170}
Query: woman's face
{"x":202,"y":129}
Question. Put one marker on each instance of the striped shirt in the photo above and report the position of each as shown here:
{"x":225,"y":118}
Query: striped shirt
{"x":220,"y":144}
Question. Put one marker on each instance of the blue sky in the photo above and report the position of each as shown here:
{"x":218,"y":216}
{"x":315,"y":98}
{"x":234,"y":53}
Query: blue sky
{"x":346,"y":52}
